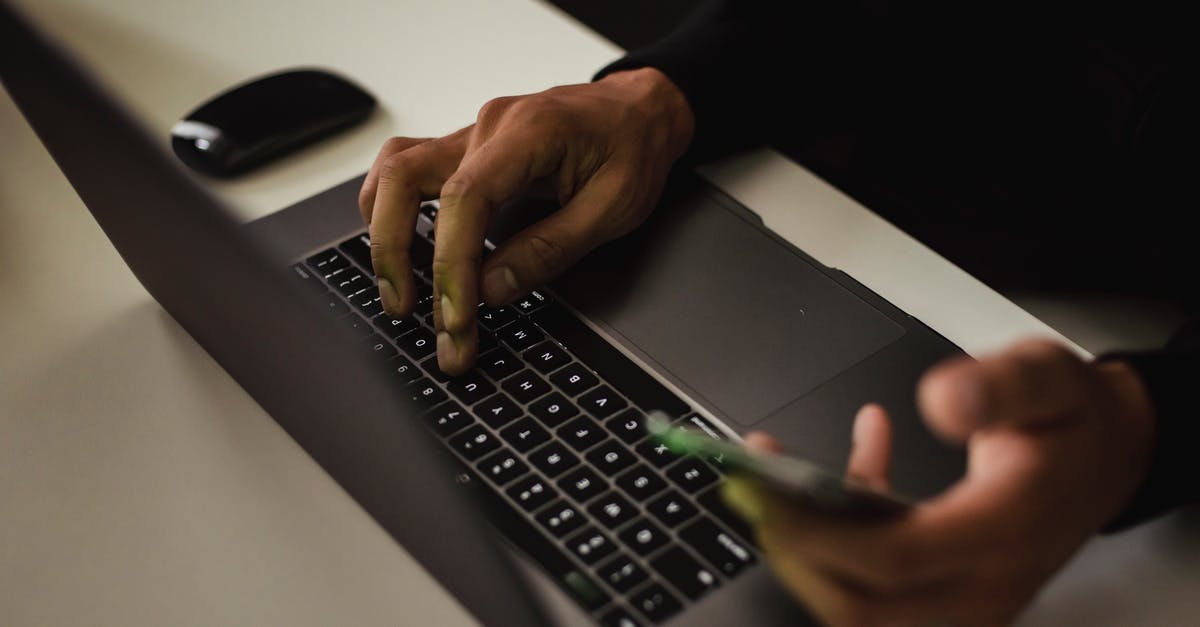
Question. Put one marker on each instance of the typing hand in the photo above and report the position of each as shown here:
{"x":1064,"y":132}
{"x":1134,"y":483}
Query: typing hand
{"x":1056,"y":448}
{"x":604,"y":149}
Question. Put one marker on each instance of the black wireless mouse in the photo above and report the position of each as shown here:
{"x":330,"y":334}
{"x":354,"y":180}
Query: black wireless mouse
{"x":266,"y":118}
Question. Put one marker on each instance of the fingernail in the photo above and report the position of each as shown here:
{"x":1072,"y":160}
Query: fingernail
{"x":743,"y":499}
{"x":500,"y":285}
{"x":447,"y":352}
{"x":450,"y":318}
{"x":388,"y":295}
{"x":859,"y":430}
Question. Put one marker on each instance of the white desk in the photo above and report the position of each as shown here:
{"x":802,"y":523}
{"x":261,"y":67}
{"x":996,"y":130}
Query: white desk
{"x":140,"y":485}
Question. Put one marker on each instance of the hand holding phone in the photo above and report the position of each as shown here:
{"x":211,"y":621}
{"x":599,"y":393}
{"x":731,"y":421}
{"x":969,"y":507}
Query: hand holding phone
{"x":802,"y":481}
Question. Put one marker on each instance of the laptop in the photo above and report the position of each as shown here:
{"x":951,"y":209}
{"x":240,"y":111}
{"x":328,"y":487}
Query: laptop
{"x":536,"y":462}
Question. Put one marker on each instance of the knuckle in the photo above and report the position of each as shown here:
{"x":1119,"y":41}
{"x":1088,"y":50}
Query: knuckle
{"x":494,"y":108}
{"x":394,"y":166}
{"x":455,"y":189}
{"x":366,"y":202}
{"x":395,"y":144}
{"x":550,"y":256}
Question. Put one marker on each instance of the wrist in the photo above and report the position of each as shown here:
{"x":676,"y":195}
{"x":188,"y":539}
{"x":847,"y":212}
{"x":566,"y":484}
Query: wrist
{"x":657,"y":96}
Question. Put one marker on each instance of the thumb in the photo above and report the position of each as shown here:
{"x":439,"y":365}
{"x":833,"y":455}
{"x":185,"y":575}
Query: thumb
{"x":1033,"y":382}
{"x":545,"y":249}
{"x":871,"y":449}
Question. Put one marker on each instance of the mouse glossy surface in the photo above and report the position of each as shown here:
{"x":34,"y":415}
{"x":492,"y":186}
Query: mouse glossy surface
{"x":267,"y":118}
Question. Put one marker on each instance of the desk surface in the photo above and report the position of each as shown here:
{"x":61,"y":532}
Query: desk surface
{"x":140,"y":485}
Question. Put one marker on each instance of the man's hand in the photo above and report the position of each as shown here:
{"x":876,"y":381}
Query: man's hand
{"x":1056,"y":448}
{"x":604,"y":149}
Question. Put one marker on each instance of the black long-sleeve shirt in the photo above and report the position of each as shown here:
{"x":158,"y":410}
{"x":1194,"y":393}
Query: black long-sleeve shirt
{"x":1036,"y":144}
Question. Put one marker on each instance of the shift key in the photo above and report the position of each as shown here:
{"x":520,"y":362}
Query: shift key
{"x":718,"y":547}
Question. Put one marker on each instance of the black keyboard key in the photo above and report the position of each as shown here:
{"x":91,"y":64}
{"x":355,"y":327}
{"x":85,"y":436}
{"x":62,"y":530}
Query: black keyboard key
{"x":429,"y":210}
{"x":611,"y":458}
{"x":672,"y":509}
{"x":718,"y":547}
{"x":531,"y":493}
{"x":522,"y":532}
{"x":629,"y":425}
{"x":423,"y":308}
{"x":684,"y":572}
{"x":553,"y":409}
{"x":560,"y":518}
{"x":602,"y":402}
{"x":641,"y":482}
{"x":403,"y":369}
{"x":525,"y":386}
{"x":622,"y":573}
{"x":643,"y":536}
{"x":574,"y":380}
{"x":494,"y":318}
{"x":702,"y":425}
{"x":655,"y":603}
{"x":553,"y":459}
{"x":358,"y":248}
{"x":520,"y":335}
{"x":368,"y":302}
{"x":692,"y":475}
{"x":425,"y":392}
{"x":613,"y":510}
{"x":393,"y":328}
{"x":532,"y":302}
{"x":497,"y":411}
{"x":448,"y":418}
{"x":348,"y":284}
{"x":584,"y":590}
{"x":474,"y":442}
{"x":525,"y":434}
{"x":358,"y":326}
{"x":326,"y":261}
{"x":418,"y":344}
{"x":471,"y":387}
{"x":582,"y":484}
{"x":499,"y":364}
{"x":590,"y":545}
{"x":619,"y":617}
{"x":546,"y":357}
{"x":712,"y":501}
{"x":431,"y":368}
{"x":380,"y":347}
{"x":502,"y":467}
{"x":657,"y":453}
{"x":581,"y":433}
{"x":641,"y":388}
{"x":485,"y":343}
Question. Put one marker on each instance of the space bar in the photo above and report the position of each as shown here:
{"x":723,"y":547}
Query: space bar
{"x":624,"y":375}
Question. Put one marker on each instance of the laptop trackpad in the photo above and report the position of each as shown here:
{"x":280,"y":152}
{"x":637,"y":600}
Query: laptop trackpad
{"x":738,"y":317}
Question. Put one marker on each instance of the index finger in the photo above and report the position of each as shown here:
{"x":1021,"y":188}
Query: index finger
{"x":491,"y":175}
{"x":404,"y":180}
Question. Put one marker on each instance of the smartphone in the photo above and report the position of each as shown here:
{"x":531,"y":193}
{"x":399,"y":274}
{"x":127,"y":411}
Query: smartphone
{"x":806,"y":483}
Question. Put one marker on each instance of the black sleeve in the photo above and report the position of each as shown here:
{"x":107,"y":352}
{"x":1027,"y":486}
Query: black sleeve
{"x":1171,"y":377}
{"x":751,"y":69}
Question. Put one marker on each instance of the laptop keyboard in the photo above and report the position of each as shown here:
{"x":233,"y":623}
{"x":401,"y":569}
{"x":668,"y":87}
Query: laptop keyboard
{"x":549,"y":431}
